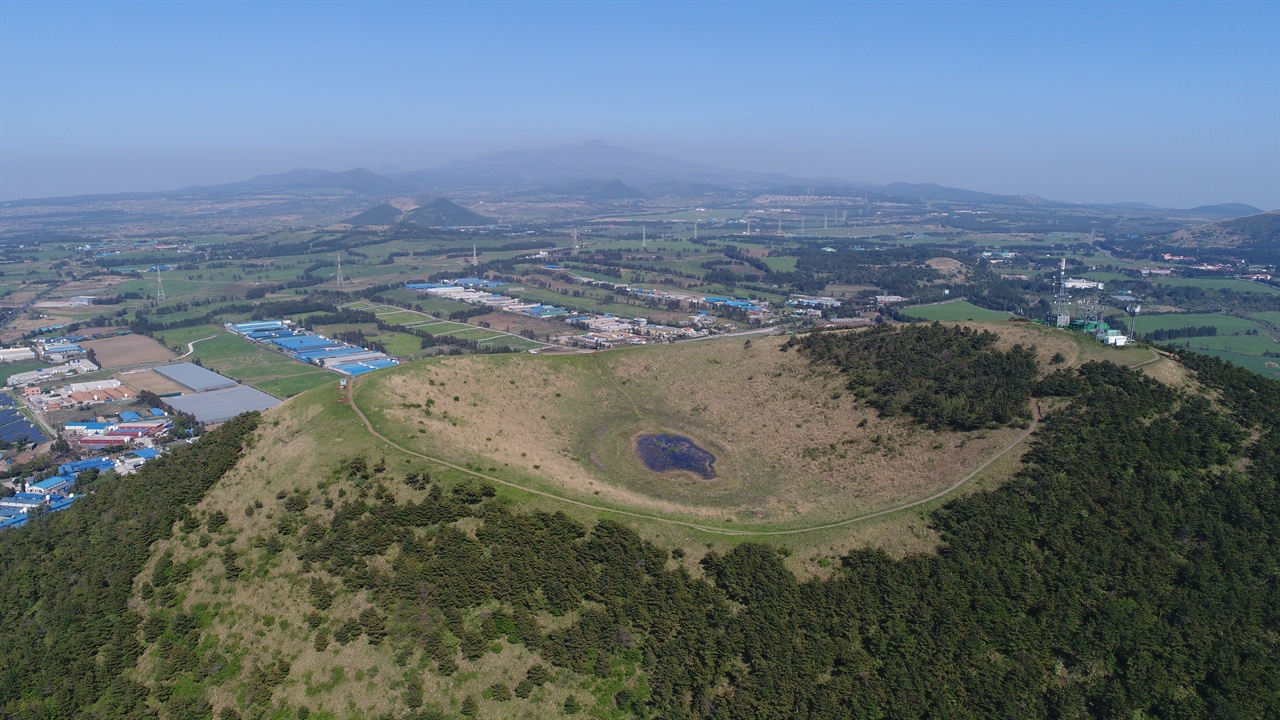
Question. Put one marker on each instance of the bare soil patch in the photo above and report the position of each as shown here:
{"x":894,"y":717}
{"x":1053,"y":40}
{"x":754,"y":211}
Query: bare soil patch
{"x":127,"y":350}
{"x":150,"y":380}
{"x":511,"y":322}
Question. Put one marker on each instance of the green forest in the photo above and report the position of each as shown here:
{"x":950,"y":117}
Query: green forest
{"x":68,"y":639}
{"x":942,"y":376}
{"x":1130,"y":569}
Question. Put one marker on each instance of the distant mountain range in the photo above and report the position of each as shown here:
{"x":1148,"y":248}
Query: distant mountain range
{"x":593,"y":171}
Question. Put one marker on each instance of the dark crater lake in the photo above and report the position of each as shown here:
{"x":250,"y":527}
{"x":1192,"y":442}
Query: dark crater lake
{"x":661,"y":453}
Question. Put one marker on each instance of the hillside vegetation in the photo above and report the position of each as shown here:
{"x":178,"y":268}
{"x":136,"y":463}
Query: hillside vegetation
{"x":1127,"y":570}
{"x":69,"y":635}
{"x":943,"y":376}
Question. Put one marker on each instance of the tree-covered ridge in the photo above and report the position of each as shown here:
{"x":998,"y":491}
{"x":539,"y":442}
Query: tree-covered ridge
{"x":1131,"y":569}
{"x":68,"y":640}
{"x":943,"y":376}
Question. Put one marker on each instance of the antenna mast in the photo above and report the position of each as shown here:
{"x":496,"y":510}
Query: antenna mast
{"x":159,"y":287}
{"x":1061,"y":301}
{"x":339,"y":270}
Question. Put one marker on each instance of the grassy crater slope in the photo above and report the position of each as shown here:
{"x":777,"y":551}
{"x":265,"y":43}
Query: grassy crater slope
{"x":793,"y":448}
{"x":1127,"y":570}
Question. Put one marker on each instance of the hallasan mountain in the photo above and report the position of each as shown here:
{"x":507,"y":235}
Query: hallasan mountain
{"x":593,"y":189}
{"x":568,"y":164}
{"x":593,"y":171}
{"x":427,"y":211}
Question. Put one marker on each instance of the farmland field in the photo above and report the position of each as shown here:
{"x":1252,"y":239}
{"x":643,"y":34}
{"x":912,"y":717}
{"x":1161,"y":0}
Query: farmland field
{"x":127,"y":350}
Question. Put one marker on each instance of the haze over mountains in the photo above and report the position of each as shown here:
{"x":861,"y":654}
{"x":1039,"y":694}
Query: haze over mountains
{"x":594,"y":171}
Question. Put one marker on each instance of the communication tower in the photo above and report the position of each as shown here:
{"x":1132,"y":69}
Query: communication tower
{"x":1091,"y":311}
{"x":339,"y":271}
{"x":1134,"y":307}
{"x":159,"y":286}
{"x":1061,"y":316}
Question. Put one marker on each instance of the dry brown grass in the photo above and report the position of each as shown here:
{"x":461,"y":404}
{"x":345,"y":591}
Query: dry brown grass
{"x":950,"y":268}
{"x":150,"y":380}
{"x":791,"y":447}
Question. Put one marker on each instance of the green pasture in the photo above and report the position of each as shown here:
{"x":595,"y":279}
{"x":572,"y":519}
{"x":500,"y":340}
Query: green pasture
{"x":781,"y":264}
{"x":1238,"y":344}
{"x":8,"y":370}
{"x":398,"y":317}
{"x":1268,"y":317}
{"x":439,"y":306}
{"x":438,"y":327}
{"x":1240,"y":286}
{"x":1226,"y":324}
{"x":1253,"y":363}
{"x":956,"y":310}
{"x":289,"y":386}
{"x":249,"y":362}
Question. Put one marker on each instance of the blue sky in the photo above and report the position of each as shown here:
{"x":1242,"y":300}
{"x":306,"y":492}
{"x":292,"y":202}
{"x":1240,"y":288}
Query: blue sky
{"x":1175,"y":104}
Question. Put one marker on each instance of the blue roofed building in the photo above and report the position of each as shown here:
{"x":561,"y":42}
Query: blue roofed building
{"x":101,"y":464}
{"x":25,"y":502}
{"x":14,"y":521}
{"x":55,"y":484}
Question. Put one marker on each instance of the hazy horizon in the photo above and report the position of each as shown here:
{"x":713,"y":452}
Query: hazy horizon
{"x":1172,"y":104}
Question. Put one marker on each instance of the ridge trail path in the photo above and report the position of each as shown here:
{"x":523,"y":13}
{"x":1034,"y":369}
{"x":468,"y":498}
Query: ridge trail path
{"x":1035,"y":421}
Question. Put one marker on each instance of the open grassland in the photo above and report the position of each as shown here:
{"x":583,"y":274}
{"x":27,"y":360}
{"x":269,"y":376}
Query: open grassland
{"x":792,"y":450}
{"x":178,"y":338}
{"x":955,"y":310}
{"x":262,"y":615}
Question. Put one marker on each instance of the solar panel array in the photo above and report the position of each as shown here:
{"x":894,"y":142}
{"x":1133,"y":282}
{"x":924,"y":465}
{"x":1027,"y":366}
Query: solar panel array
{"x":13,"y":426}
